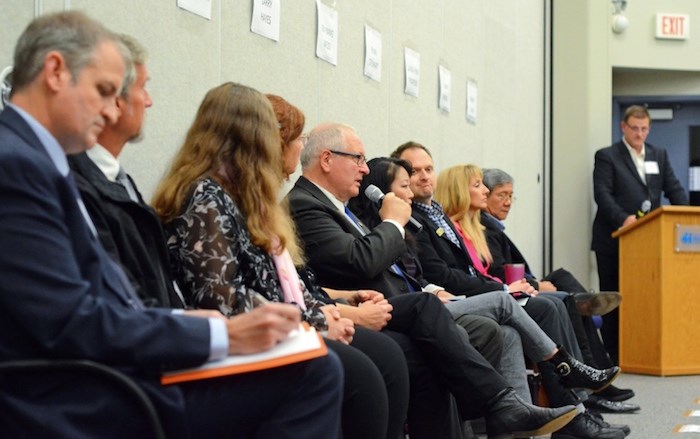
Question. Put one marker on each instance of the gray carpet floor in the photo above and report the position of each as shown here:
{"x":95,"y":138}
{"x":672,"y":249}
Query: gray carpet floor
{"x":664,"y":403}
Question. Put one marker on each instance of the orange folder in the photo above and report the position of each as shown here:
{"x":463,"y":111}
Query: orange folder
{"x":303,"y":344}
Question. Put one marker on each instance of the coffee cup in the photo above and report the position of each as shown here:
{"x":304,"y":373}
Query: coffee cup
{"x":514,"y":272}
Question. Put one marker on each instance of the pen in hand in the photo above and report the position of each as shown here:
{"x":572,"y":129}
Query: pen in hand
{"x":259,"y":300}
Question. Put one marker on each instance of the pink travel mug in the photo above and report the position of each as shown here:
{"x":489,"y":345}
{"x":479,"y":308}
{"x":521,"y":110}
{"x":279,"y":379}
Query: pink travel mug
{"x":514,"y":272}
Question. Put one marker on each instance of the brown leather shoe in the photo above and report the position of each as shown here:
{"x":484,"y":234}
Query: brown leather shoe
{"x":597,"y":304}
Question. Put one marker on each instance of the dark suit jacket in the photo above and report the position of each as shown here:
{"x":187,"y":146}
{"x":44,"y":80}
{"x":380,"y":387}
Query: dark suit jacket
{"x":447,"y":264}
{"x":129,"y":231}
{"x":60,"y":297}
{"x":503,"y":251}
{"x":338,"y":253}
{"x":619,"y":192}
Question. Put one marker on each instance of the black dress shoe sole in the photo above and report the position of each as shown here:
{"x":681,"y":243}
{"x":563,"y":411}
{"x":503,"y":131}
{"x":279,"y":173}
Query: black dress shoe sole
{"x":618,"y":395}
{"x":609,"y":382}
{"x":550,"y":427}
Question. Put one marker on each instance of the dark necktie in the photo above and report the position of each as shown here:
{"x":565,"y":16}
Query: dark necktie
{"x":123,"y":180}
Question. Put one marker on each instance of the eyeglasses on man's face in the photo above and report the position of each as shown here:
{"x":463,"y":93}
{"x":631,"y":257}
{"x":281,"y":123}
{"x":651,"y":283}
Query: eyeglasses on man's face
{"x":503,"y":196}
{"x":358,"y":158}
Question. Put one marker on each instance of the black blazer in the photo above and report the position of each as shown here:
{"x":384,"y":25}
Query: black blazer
{"x":60,"y":297}
{"x":338,"y":253}
{"x":130,"y":232}
{"x":619,"y":192}
{"x":447,"y":264}
{"x":503,"y":251}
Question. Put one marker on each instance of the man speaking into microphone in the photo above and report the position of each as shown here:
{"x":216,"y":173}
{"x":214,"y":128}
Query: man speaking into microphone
{"x":628,"y":179}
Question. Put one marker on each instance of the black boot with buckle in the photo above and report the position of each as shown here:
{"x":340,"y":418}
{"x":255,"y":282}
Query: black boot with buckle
{"x":575,"y":374}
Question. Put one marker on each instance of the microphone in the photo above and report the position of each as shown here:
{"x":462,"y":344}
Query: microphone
{"x":644,"y":208}
{"x":376,"y":195}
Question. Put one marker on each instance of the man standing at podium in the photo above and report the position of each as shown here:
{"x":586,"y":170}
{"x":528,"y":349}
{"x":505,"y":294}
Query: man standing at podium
{"x":628,"y":179}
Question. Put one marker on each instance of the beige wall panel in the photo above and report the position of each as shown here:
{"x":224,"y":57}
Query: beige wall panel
{"x":16,"y":14}
{"x":417,"y":119}
{"x":512,"y":112}
{"x":639,"y":82}
{"x":637,"y":47}
{"x":345,"y":94}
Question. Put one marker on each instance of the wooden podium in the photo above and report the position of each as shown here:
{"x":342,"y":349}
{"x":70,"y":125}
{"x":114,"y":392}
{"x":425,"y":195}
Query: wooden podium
{"x":660,"y":287}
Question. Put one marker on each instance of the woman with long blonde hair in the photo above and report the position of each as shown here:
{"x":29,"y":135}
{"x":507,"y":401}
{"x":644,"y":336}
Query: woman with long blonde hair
{"x":461,"y":193}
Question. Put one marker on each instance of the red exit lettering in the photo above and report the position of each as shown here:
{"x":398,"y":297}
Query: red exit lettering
{"x":673,"y":26}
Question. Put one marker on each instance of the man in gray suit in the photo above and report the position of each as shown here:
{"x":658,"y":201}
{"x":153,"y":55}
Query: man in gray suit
{"x":628,"y":179}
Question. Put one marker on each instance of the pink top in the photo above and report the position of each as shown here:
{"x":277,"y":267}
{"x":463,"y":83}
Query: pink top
{"x":289,"y":278}
{"x":473,"y":254}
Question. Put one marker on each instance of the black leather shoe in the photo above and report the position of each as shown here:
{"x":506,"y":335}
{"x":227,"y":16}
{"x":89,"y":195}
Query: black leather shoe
{"x":612,"y":393}
{"x":586,"y":426}
{"x":575,"y":374}
{"x":599,"y":419}
{"x":597,"y":304}
{"x":606,"y":406}
{"x":509,"y":416}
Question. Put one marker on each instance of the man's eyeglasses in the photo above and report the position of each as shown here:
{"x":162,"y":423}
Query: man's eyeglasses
{"x":503,"y":196}
{"x":358,"y":158}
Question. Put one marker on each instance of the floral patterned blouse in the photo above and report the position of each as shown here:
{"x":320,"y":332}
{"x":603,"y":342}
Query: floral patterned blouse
{"x":216,"y":264}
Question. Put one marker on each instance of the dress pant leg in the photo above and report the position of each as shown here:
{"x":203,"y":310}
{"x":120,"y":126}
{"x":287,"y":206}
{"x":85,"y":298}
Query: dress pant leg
{"x":600,"y":354}
{"x":485,"y":335}
{"x":592,"y":348}
{"x":387,"y":355}
{"x":512,"y":365}
{"x":565,"y":281}
{"x":430,"y":414}
{"x":608,"y":273}
{"x":550,"y":314}
{"x":505,"y":310}
{"x":446,"y":348}
{"x":365,"y":409}
{"x":584,"y":350}
{"x":301,"y":400}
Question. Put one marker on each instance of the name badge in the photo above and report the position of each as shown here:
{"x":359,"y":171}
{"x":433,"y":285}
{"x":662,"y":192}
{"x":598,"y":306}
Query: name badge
{"x":651,"y":168}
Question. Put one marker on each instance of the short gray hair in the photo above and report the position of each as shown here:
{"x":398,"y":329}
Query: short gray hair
{"x":324,"y":136}
{"x":496,"y":177}
{"x":72,"y":33}
{"x":138,"y":55}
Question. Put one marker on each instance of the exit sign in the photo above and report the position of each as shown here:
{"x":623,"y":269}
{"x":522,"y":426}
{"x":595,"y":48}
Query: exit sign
{"x":672,"y":26}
